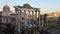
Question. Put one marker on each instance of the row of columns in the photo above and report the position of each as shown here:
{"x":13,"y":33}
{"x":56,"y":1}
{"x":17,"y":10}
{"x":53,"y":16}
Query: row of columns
{"x":37,"y":13}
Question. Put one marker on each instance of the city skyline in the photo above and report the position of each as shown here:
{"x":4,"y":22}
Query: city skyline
{"x":46,"y":6}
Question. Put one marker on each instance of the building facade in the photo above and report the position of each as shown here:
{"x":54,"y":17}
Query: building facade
{"x":6,"y":15}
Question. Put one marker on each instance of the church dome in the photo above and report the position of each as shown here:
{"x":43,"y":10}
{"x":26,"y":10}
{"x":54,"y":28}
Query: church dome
{"x":6,"y":7}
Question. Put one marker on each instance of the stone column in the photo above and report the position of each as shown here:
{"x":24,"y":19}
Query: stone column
{"x":25,"y":19}
{"x":36,"y":16}
{"x":39,"y":18}
{"x":15,"y":24}
{"x":42,"y":21}
{"x":29,"y":17}
{"x":32,"y":19}
{"x":19,"y":20}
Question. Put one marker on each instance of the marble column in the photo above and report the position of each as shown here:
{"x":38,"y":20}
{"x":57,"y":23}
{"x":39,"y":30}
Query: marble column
{"x":25,"y":19}
{"x":20,"y":18}
{"x":42,"y":21}
{"x":32,"y":19}
{"x":29,"y":17}
{"x":19,"y":21}
{"x":39,"y":18}
{"x":36,"y":16}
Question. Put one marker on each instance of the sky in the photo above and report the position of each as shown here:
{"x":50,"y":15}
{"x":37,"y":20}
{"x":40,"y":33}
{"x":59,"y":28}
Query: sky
{"x":46,"y":6}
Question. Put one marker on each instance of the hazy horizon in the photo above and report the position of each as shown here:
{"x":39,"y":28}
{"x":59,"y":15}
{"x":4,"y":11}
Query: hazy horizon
{"x":46,"y":6}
